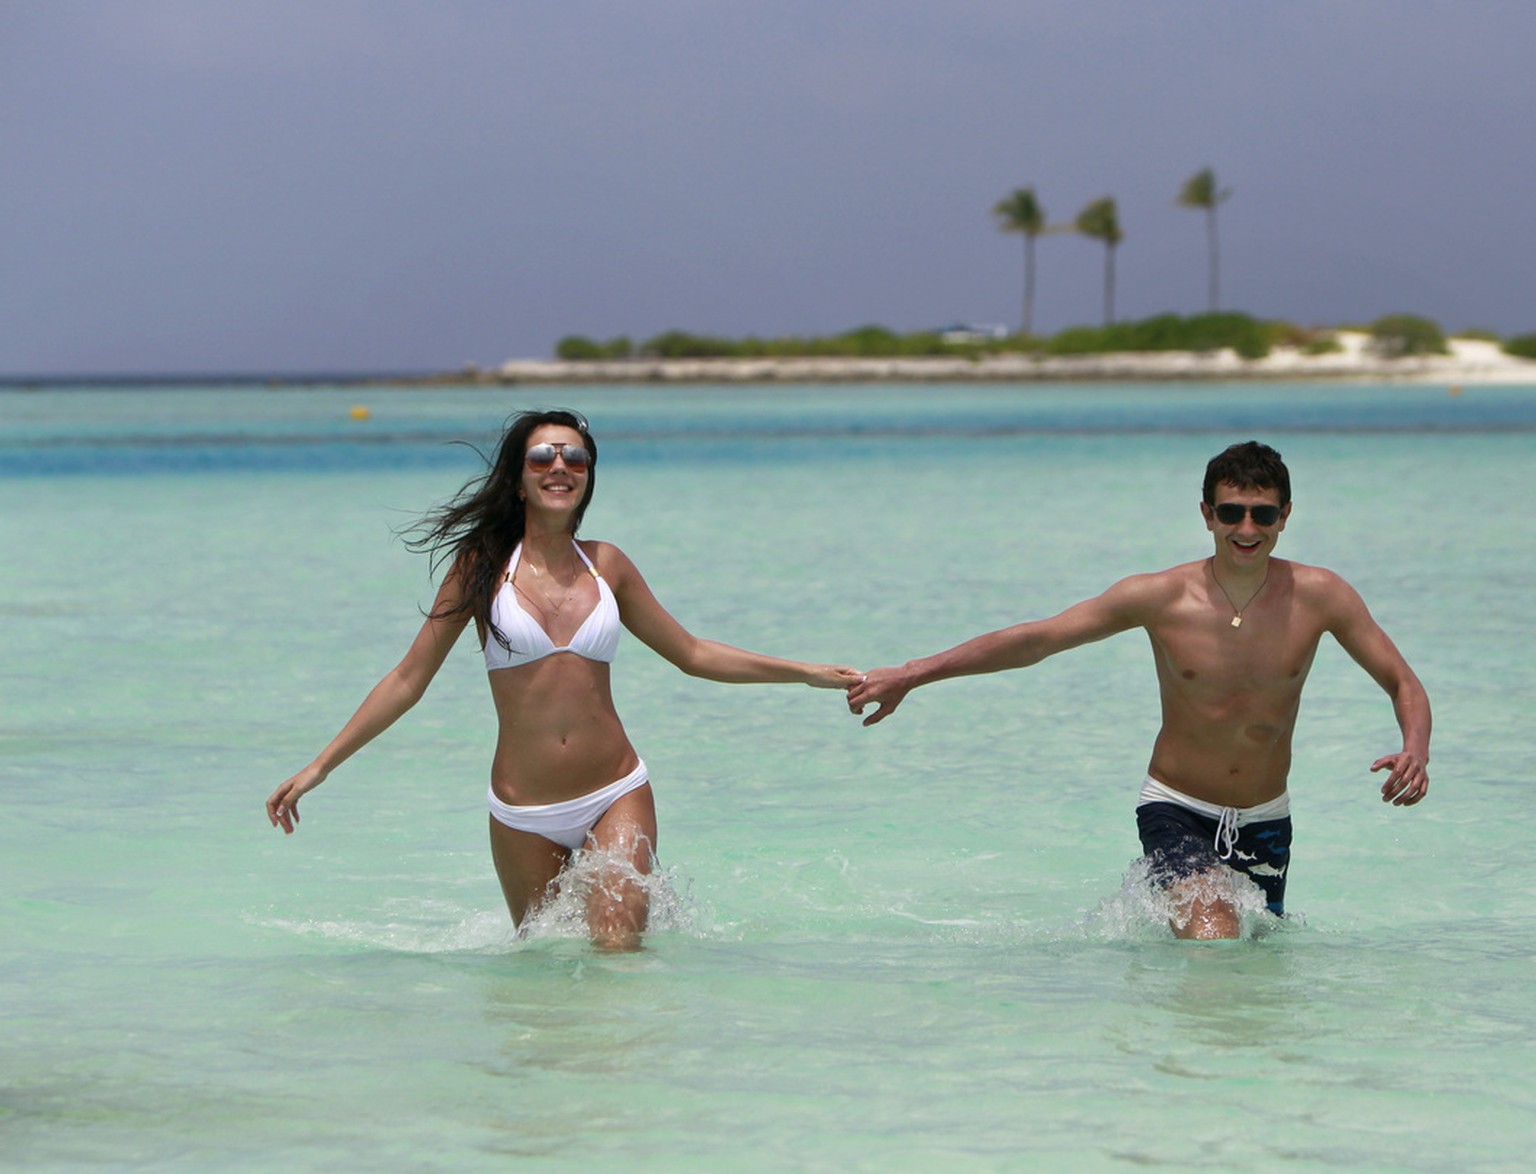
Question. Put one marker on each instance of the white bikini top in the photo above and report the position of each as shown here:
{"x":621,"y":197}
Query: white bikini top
{"x":596,"y":639}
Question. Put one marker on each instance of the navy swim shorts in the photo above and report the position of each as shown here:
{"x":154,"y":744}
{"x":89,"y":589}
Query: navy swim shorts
{"x":1181,"y":843}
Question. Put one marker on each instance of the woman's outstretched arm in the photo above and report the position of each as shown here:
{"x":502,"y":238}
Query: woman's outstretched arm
{"x":400,"y":689}
{"x":655,"y":627}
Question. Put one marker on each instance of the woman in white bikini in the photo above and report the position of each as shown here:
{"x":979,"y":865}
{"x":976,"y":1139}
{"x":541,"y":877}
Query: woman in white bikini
{"x":547,"y":609}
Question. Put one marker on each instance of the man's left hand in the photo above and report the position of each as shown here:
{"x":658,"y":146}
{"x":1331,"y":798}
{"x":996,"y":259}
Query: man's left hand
{"x":1407,"y":778}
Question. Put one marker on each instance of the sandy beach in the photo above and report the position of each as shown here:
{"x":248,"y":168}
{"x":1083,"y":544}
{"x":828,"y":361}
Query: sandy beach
{"x":1471,"y":361}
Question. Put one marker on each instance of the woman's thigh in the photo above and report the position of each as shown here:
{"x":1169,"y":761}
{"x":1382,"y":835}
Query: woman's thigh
{"x":624,"y":844}
{"x":527,"y":865}
{"x":628,"y":829}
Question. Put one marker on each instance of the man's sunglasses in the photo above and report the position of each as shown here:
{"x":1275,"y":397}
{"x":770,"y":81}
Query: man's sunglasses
{"x":541,"y":457}
{"x":1230,"y":513}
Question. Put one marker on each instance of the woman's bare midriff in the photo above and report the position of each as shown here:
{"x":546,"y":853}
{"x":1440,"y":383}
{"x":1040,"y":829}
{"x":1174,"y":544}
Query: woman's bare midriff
{"x":559,"y":736}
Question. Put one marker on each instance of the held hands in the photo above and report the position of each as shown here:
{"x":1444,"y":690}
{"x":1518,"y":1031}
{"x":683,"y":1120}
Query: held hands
{"x":1407,"y":778}
{"x":833,"y":676}
{"x":283,"y":806}
{"x":884,"y":688}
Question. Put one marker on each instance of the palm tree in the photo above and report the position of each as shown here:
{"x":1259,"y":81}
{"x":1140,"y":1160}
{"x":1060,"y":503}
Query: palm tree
{"x":1200,"y":191}
{"x":1021,"y":212}
{"x":1100,"y":221}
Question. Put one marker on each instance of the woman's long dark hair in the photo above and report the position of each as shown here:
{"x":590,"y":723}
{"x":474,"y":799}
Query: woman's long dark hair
{"x":478,"y":530}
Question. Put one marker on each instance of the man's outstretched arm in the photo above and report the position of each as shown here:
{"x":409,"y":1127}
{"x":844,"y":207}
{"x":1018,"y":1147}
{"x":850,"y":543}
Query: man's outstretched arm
{"x":1122,"y":607}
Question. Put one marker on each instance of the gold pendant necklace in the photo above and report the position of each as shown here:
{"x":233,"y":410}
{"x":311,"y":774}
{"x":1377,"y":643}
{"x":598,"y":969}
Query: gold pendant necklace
{"x":549,"y":601}
{"x":1237,"y":612}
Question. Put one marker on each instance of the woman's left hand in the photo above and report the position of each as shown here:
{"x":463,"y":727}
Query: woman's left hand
{"x":834,"y":676}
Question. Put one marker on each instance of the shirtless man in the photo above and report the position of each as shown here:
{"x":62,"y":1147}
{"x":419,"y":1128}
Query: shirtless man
{"x":1233,"y":637}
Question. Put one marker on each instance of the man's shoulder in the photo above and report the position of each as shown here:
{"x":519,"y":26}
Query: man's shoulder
{"x":1324,"y":593}
{"x":1159,"y":587}
{"x":1170,"y":578}
{"x":1312,"y":579}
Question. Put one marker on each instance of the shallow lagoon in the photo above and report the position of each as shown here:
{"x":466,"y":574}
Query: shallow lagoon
{"x":905,"y":948}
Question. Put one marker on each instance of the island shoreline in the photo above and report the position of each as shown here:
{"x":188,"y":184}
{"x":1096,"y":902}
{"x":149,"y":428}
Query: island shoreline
{"x":1469,"y":362}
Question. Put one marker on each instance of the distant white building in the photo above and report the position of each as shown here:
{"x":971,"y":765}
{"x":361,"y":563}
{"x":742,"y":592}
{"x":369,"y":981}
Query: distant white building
{"x":973,"y":332}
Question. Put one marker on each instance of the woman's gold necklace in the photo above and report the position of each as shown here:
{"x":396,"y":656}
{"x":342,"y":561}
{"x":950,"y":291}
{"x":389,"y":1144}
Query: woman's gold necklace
{"x":1237,"y":612}
{"x":548,"y":600}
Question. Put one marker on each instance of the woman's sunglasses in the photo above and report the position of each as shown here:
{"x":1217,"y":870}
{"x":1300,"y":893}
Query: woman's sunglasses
{"x":541,"y":457}
{"x":1230,"y":513}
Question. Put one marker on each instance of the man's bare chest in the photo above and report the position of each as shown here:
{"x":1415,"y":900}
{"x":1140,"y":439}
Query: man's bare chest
{"x":1204,"y":656}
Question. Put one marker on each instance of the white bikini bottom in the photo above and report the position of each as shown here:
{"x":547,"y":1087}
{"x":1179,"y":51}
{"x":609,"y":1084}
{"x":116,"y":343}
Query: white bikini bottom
{"x":568,"y":822}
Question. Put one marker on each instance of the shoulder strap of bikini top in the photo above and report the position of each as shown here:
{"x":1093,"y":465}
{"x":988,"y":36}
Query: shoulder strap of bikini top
{"x":583,"y":555}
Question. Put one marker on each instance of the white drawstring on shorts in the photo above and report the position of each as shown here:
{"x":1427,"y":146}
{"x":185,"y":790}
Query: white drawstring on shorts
{"x":1225,"y":842}
{"x":1228,"y":819}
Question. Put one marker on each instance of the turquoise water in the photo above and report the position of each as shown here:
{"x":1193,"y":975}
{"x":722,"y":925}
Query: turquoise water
{"x":910,"y":948}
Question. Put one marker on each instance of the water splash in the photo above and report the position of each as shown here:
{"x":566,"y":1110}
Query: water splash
{"x":668,"y":893}
{"x":415,"y":925}
{"x":1144,"y":910}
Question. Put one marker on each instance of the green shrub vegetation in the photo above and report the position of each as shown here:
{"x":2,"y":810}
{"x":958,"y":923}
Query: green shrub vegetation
{"x":865,"y":342}
{"x":1399,"y":336}
{"x":1248,"y":336}
{"x":1393,"y":336}
{"x":578,"y":347}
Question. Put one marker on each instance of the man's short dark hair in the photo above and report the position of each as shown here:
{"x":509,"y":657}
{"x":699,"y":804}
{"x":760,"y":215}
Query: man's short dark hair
{"x":1249,"y":465}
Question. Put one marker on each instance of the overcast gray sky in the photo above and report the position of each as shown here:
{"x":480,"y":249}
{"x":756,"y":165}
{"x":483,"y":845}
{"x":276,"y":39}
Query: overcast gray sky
{"x":307,"y":185}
